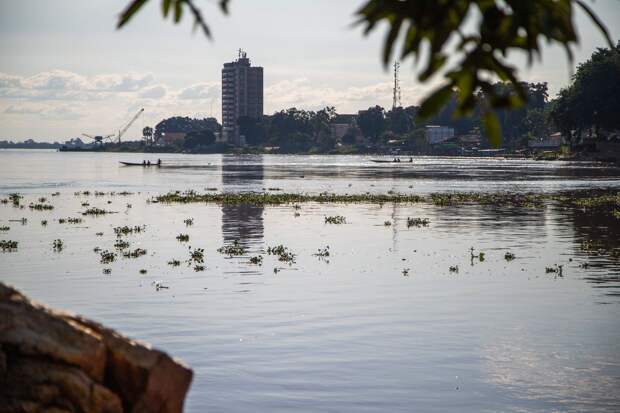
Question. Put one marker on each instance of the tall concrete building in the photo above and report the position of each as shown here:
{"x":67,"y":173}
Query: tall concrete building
{"x":242,"y":95}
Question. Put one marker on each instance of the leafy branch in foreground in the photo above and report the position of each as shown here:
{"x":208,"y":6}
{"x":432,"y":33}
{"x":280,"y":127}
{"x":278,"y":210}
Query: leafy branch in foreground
{"x":435,"y":29}
{"x":431,"y":28}
{"x":177,"y":7}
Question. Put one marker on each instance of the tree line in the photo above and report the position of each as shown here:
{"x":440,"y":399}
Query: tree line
{"x":586,"y":109}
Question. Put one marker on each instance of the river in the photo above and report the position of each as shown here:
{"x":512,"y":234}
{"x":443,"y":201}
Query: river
{"x":396,"y":318}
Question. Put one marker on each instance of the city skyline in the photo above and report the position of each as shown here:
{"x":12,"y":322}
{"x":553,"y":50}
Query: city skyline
{"x":65,"y":70}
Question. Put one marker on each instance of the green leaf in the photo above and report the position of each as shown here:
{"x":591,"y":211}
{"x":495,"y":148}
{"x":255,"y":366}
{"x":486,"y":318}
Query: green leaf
{"x":435,"y":102}
{"x":493,"y":129}
{"x":129,"y":12}
{"x":165,"y":7}
{"x":178,"y":11}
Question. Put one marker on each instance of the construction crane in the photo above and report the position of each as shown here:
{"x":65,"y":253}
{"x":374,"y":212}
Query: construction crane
{"x":98,"y":138}
{"x":122,"y":131}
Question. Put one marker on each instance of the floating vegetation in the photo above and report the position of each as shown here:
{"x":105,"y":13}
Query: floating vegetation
{"x":85,"y":204}
{"x":322,"y":252}
{"x":15,"y":199}
{"x":198,"y":268}
{"x":296,"y":206}
{"x":99,"y":234}
{"x":232,"y":250}
{"x":8,"y":245}
{"x":509,"y":256}
{"x":283,"y":254}
{"x":58,"y":245}
{"x":121,"y":244}
{"x":138,"y":252}
{"x":196,"y":255}
{"x":107,"y":271}
{"x":44,"y":222}
{"x":188,"y":222}
{"x":387,"y":223}
{"x":296,"y":214}
{"x":97,"y":249}
{"x":96,"y":212}
{"x":159,"y":285}
{"x":174,"y":263}
{"x":274,"y":189}
{"x":454,"y":268}
{"x":55,"y":193}
{"x":255,"y":198}
{"x":405,"y":272}
{"x":211,"y":189}
{"x":41,"y":207}
{"x":417,"y":222}
{"x":143,"y":271}
{"x":556,"y":269}
{"x":336,"y":219}
{"x":107,"y":257}
{"x":5,"y":228}
{"x":99,"y":193}
{"x":183,"y":237}
{"x":472,"y":256}
{"x":257,"y":260}
{"x":70,"y":220}
{"x":126,"y":230}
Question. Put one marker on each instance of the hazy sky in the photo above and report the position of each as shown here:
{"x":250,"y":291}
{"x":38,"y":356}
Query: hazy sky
{"x":65,"y":70}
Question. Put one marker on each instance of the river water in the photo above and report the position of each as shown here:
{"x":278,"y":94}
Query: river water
{"x":380,"y":325}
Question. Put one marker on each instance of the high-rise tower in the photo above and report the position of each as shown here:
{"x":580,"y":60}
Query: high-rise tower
{"x":242,"y":95}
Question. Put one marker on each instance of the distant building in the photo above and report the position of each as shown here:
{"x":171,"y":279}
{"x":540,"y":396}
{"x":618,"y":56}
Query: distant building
{"x":437,"y":134}
{"x":553,"y":141}
{"x":242,"y":95}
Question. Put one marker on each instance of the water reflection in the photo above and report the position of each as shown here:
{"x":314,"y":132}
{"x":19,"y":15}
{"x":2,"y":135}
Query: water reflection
{"x":242,"y":173}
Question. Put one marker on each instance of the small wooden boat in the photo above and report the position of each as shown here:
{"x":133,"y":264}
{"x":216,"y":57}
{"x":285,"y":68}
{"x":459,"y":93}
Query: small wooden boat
{"x":390,"y":161}
{"x":138,"y":164}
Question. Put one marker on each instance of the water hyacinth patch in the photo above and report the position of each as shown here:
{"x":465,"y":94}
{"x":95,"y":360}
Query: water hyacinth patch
{"x":232,"y":250}
{"x":58,"y":245}
{"x":283,"y":254}
{"x":41,"y":207}
{"x":417,"y":222}
{"x":336,"y":220}
{"x":8,"y":245}
{"x":107,"y":257}
{"x":183,"y":237}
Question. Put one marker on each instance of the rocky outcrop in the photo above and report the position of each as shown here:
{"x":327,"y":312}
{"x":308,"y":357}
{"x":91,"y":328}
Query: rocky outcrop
{"x":52,"y":361}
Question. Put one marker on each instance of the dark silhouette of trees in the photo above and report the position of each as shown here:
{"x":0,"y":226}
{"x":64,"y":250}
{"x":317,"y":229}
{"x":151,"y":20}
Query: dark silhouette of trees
{"x":196,"y":139}
{"x":185,"y":125}
{"x":590,"y":104}
{"x":252,"y":129}
{"x":372,"y":122}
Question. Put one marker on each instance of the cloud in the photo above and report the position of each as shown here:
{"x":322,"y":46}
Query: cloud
{"x":55,"y":112}
{"x":200,"y":91}
{"x":9,"y":81}
{"x":56,"y":80}
{"x":129,"y":82}
{"x":153,"y":92}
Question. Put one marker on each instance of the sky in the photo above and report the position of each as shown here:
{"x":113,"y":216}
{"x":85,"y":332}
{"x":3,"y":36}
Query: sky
{"x":65,"y":69}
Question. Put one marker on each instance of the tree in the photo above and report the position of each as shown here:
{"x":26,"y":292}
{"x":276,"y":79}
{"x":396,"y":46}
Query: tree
{"x":252,"y":129}
{"x":592,"y":100}
{"x":429,"y":30}
{"x":399,"y":121}
{"x":197,"y":139}
{"x":372,"y":122}
{"x":350,"y":136}
{"x":182,"y":124}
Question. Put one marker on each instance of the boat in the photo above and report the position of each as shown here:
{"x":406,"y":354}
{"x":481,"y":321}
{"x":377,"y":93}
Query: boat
{"x":138,"y":164}
{"x":390,"y":161}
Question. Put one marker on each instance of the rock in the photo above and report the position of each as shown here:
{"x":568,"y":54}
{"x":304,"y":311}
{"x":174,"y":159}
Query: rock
{"x":54,"y":361}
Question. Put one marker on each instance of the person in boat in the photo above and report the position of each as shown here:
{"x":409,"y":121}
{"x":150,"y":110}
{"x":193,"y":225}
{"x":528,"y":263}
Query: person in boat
{"x":158,"y":162}
{"x":148,"y":163}
{"x":143,"y":163}
{"x":410,"y":159}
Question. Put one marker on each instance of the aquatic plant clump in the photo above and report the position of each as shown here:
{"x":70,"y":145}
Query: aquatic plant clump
{"x":121,"y":244}
{"x":283,"y":254}
{"x":196,"y":255}
{"x":96,"y":212}
{"x":5,"y":228}
{"x":41,"y":207}
{"x":232,"y":250}
{"x":322,"y":252}
{"x":257,"y":260}
{"x":188,"y":222}
{"x":417,"y":222}
{"x":138,"y":252}
{"x":126,"y":230}
{"x":174,"y":263}
{"x":336,"y":219}
{"x":183,"y":237}
{"x":8,"y":245}
{"x":58,"y":245}
{"x":15,"y":199}
{"x":509,"y":256}
{"x":107,"y":257}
